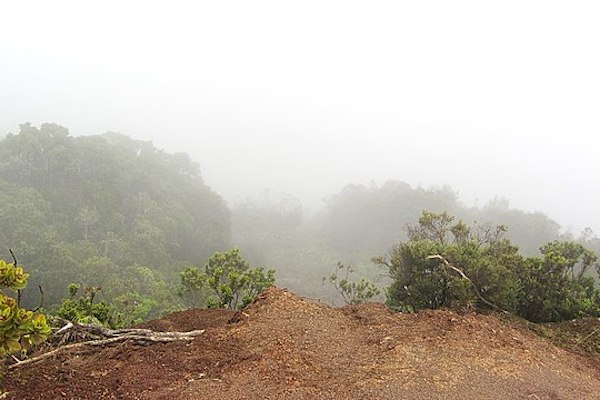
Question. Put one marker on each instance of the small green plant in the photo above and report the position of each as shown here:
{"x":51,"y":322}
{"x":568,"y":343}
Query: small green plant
{"x":353,"y":292}
{"x":83,"y":309}
{"x":228,"y":279}
{"x":19,"y":328}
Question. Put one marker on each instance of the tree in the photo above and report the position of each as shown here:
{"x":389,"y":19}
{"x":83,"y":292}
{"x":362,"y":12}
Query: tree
{"x":19,"y":328}
{"x":67,"y":201}
{"x":447,"y":264}
{"x":419,"y":281}
{"x":363,"y":220}
{"x":229,"y":279}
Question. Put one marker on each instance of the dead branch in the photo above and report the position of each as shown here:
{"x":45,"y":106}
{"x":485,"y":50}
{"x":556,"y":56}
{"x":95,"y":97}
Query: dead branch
{"x":95,"y":332}
{"x":16,"y":263}
{"x":462,"y":274}
{"x":41,"y":299}
{"x":108,"y":336}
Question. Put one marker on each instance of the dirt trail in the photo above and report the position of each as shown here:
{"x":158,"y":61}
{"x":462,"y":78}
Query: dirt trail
{"x":286,"y":347}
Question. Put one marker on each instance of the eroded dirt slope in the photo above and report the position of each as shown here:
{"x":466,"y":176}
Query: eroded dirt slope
{"x":286,"y":347}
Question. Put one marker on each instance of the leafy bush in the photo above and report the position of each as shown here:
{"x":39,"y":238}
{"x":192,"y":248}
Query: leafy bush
{"x":228,"y":280}
{"x":19,"y":328}
{"x":552,"y":288}
{"x":82,"y":309}
{"x":353,"y":292}
{"x":556,"y":287}
{"x":482,"y":254}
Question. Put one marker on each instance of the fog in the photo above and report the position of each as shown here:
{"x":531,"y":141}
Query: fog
{"x":491,"y":99}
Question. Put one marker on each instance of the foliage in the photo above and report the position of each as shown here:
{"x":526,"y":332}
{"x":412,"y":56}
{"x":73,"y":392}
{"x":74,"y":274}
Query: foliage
{"x":132,"y":295}
{"x":83,"y":309}
{"x":529,"y":230}
{"x":420,"y":282}
{"x":353,"y":292}
{"x":92,"y":209}
{"x":556,"y":288}
{"x":551,"y":288}
{"x":363,"y":220}
{"x":19,"y":328}
{"x":228,"y":278}
{"x":192,"y":287}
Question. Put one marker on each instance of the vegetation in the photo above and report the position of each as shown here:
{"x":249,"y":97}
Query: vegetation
{"x":366,"y":220}
{"x":556,"y":287}
{"x":228,"y":279}
{"x":115,"y":213}
{"x":83,"y":309}
{"x":482,"y":268}
{"x":19,"y":328}
{"x":106,"y":211}
{"x":353,"y":292}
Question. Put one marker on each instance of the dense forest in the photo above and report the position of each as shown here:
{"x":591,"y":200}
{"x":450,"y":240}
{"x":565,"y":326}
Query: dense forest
{"x":125,"y":220}
{"x":105,"y":211}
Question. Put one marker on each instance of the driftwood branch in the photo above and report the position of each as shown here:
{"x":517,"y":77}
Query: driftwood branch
{"x":462,"y":274}
{"x":106,"y":337}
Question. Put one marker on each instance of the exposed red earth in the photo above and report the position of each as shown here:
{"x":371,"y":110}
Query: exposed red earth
{"x":285,"y":347}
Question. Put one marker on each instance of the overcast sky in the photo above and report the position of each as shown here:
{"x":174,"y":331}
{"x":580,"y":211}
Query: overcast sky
{"x":492,"y":98}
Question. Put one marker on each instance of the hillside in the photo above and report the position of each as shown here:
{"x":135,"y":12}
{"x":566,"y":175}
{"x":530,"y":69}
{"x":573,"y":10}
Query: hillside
{"x":286,"y":347}
{"x":105,"y":211}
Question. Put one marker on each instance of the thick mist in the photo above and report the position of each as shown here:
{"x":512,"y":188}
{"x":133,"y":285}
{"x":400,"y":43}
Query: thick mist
{"x":493,"y":100}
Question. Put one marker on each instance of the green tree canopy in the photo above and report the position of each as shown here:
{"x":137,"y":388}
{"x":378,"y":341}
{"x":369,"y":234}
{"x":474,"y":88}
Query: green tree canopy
{"x":481,"y":268}
{"x":67,"y":200}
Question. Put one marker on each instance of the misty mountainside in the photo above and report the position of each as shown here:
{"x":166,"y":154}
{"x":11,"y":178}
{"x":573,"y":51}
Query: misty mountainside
{"x":103,"y":210}
{"x":111,"y":212}
{"x":377,"y":216}
{"x":361,"y":222}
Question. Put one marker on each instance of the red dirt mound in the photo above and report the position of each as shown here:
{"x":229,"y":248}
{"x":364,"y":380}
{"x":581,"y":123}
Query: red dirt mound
{"x":189,"y":320}
{"x":286,"y":347}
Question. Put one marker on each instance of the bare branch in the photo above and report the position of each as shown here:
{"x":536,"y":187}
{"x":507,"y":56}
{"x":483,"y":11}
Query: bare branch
{"x":114,"y":336}
{"x":462,"y":274}
{"x":13,"y":257}
{"x":41,"y":299}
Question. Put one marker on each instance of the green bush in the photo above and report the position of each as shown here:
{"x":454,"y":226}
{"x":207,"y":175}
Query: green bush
{"x":554,"y":287}
{"x":19,"y":328}
{"x":353,"y":292}
{"x":84,"y":309}
{"x":227,"y":280}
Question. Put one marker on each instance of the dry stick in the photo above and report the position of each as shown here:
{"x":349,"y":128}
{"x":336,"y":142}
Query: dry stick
{"x":477,"y":292}
{"x":16,"y":263}
{"x":159,"y":337}
{"x":41,"y":299}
